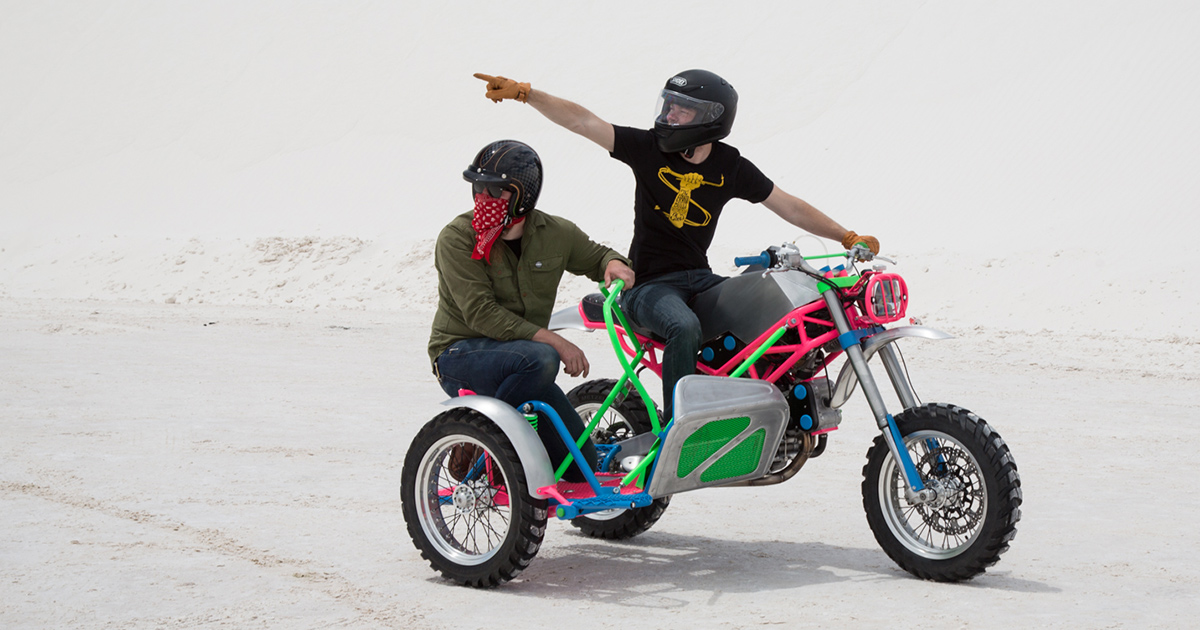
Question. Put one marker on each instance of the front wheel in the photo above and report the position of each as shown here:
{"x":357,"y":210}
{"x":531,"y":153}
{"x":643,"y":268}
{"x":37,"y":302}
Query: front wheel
{"x":466,"y":501}
{"x":626,"y":418}
{"x":964,"y":531}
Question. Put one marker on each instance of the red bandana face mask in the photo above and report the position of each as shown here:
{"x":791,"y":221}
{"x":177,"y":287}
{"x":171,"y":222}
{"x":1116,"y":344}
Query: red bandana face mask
{"x":491,"y":217}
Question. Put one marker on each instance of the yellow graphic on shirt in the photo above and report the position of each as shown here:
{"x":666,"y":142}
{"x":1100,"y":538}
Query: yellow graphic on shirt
{"x":683,"y":201}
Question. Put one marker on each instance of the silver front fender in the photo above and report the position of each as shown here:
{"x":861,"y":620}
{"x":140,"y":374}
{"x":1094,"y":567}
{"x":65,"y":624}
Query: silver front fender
{"x":847,"y":380}
{"x":568,"y":318}
{"x":538,"y":471}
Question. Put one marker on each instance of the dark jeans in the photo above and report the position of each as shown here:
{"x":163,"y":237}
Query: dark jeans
{"x":663,"y":306}
{"x":516,"y":372}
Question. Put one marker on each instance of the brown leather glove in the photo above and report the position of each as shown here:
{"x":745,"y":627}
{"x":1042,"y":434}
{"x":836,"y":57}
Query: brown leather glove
{"x":500,"y":88}
{"x":851,"y":238}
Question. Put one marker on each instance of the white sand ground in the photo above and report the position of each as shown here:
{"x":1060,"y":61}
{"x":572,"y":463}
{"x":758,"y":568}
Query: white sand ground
{"x":195,"y":466}
{"x":216,"y":221}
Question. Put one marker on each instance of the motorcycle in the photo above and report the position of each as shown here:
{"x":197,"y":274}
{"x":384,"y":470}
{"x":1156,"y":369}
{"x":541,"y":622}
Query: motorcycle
{"x":940,"y":487}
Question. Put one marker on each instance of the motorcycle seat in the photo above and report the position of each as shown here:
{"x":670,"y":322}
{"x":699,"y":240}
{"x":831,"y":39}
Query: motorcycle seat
{"x":593,"y":311}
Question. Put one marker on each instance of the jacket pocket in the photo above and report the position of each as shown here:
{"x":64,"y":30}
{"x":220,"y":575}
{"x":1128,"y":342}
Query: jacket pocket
{"x":546,"y":274}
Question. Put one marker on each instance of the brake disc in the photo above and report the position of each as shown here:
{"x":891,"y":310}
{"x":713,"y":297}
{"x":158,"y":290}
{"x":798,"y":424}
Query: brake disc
{"x":957,"y":509}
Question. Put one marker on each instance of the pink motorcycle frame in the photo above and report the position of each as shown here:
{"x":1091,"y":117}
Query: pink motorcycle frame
{"x":764,"y":344}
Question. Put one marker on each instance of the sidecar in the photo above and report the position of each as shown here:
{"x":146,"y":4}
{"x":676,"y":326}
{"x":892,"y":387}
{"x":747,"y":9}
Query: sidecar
{"x":478,"y":486}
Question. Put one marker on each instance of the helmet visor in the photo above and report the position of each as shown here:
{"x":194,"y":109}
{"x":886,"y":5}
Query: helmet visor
{"x":680,"y":110}
{"x":484,"y":180}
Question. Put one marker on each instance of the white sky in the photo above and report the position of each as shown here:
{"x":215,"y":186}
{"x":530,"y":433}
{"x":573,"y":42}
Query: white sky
{"x":920,"y":122}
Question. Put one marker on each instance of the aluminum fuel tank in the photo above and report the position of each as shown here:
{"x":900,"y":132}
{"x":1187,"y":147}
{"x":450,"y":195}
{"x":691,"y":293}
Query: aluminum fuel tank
{"x":747,"y":305}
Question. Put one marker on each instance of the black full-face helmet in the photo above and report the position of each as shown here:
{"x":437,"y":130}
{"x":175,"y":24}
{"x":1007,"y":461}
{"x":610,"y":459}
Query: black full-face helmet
{"x":507,"y":165}
{"x":696,"y":107}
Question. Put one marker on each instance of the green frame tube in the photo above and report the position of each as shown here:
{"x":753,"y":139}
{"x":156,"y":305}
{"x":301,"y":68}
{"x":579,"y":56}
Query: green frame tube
{"x":767,"y":345}
{"x":622,"y":384}
{"x":610,"y":306}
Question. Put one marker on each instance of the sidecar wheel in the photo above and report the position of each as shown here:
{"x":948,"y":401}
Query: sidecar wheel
{"x":957,"y":452}
{"x":466,"y":502}
{"x":623,"y":420}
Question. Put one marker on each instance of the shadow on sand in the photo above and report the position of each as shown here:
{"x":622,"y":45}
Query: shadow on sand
{"x":647,"y":571}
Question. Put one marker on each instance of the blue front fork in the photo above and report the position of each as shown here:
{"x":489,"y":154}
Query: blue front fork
{"x":851,"y":341}
{"x":910,"y":470}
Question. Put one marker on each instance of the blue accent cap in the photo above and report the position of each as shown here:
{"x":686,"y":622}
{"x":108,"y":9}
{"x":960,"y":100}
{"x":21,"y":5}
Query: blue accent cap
{"x":707,"y":354}
{"x":800,"y":392}
{"x":854,"y":336}
{"x":730,"y":342}
{"x":806,"y":422}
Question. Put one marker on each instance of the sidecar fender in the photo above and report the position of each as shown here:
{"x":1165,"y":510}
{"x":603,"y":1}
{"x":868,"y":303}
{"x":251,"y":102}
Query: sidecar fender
{"x":568,"y":318}
{"x":847,"y":380}
{"x":535,"y":462}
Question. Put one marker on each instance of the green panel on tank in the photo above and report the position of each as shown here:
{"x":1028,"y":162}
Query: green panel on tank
{"x":706,"y":441}
{"x":742,"y":460}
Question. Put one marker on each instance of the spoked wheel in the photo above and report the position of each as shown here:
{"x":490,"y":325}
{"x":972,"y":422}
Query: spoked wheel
{"x":466,"y":502}
{"x":626,"y":418}
{"x":962,"y":532}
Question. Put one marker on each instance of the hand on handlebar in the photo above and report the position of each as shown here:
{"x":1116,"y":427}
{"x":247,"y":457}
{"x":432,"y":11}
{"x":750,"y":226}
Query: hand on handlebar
{"x":617,"y":270}
{"x":850,"y":239}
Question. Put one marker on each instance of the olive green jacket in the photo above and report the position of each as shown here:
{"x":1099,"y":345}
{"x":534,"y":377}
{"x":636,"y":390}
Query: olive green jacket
{"x":511,"y":298}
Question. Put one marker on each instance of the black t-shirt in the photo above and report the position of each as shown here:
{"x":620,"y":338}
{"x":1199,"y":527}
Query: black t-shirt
{"x":677,"y":203}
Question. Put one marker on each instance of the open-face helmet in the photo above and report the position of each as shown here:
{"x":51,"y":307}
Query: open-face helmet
{"x":507,"y":165}
{"x":696,"y":107}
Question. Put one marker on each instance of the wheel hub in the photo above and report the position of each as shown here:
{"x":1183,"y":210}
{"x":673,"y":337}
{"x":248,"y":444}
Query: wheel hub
{"x":473,"y":496}
{"x":947,"y":493}
{"x":465,"y":498}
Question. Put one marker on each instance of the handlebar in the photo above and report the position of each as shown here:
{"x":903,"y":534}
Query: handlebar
{"x":763,"y":259}
{"x":787,"y":256}
{"x":616,"y":287}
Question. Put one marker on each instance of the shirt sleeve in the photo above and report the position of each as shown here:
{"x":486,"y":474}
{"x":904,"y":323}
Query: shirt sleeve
{"x":626,"y":141}
{"x":470,"y":289}
{"x":586,"y":257}
{"x":753,"y":185}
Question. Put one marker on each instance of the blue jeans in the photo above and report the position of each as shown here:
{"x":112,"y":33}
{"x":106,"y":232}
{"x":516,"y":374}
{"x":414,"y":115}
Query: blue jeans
{"x":516,"y":372}
{"x":663,"y":306}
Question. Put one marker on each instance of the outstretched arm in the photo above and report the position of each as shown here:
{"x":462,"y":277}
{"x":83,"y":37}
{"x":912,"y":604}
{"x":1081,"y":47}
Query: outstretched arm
{"x":803,"y":215}
{"x":572,"y":116}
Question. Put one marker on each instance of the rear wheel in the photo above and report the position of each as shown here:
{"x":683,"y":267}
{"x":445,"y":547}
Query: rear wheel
{"x":466,"y":501}
{"x":973,"y":519}
{"x":626,"y":418}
